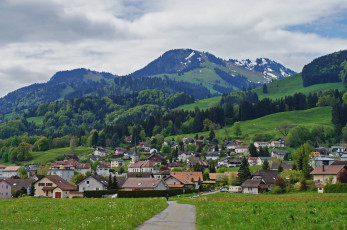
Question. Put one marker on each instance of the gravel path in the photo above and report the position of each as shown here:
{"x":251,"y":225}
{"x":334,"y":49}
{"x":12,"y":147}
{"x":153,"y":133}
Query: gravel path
{"x":175,"y":216}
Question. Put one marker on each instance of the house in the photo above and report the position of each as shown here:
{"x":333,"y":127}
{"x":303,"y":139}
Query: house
{"x":262,"y":144}
{"x":18,"y":184}
{"x":318,"y":161}
{"x":278,"y":154}
{"x":277,"y":144}
{"x":234,"y":163}
{"x":320,"y":151}
{"x":184,"y":179}
{"x":119,"y":151}
{"x":266,"y":176}
{"x":117,"y":163}
{"x":94,"y":158}
{"x":324,"y":173}
{"x":285,"y":166}
{"x":10,"y":171}
{"x":103,"y":169}
{"x":224,"y":162}
{"x":100,"y":151}
{"x":199,"y":143}
{"x":55,"y":187}
{"x":63,"y":171}
{"x":2,"y":167}
{"x":146,"y":147}
{"x":157,"y":158}
{"x":139,"y":174}
{"x":144,"y":184}
{"x":5,"y":189}
{"x":253,"y":186}
{"x":235,"y":189}
{"x":162,"y":174}
{"x":343,"y":157}
{"x":212,"y":156}
{"x":337,"y":149}
{"x":174,"y":165}
{"x":142,"y":166}
{"x":83,"y":168}
{"x":93,"y":182}
{"x":241,"y":149}
{"x":262,"y":159}
{"x":252,"y":161}
{"x":183,"y":156}
{"x":192,"y":161}
{"x":340,"y":163}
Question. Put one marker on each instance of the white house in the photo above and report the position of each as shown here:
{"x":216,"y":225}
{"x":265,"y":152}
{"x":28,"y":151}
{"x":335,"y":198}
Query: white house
{"x":103,"y":170}
{"x":183,"y":156}
{"x":65,"y":172}
{"x":99,"y":151}
{"x":262,"y":144}
{"x":241,"y":149}
{"x":117,"y":163}
{"x":142,"y":166}
{"x":5,"y":189}
{"x":10,"y":171}
{"x":93,"y":182}
{"x":337,"y":149}
{"x":140,"y":183}
{"x":212,"y":156}
{"x":277,"y":144}
{"x":319,"y":161}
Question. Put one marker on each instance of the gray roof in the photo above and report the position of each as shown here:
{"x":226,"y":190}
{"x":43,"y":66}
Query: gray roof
{"x":268,"y":176}
{"x":19,"y":183}
{"x":251,"y":183}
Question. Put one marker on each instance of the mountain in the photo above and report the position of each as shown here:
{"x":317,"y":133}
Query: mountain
{"x":326,"y":69}
{"x":64,"y":84}
{"x":218,"y":75}
{"x":199,"y":74}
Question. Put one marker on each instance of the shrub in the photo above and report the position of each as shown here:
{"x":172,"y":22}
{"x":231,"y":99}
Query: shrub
{"x":278,"y":190}
{"x":336,"y":188}
{"x":153,"y":193}
{"x":98,"y":193}
{"x":297,"y":186}
{"x":280,"y":182}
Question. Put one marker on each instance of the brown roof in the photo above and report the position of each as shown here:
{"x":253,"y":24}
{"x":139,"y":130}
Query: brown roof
{"x":12,"y":168}
{"x":3,"y":166}
{"x":20,"y":183}
{"x":328,"y":170}
{"x":141,"y":183}
{"x":143,"y":164}
{"x":139,"y":174}
{"x":251,"y":183}
{"x":121,"y":180}
{"x":186,"y":177}
{"x":83,"y":166}
{"x":60,"y":182}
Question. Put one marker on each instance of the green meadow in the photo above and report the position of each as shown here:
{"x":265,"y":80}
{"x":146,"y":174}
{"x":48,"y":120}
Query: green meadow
{"x":267,"y":211}
{"x":44,"y":213}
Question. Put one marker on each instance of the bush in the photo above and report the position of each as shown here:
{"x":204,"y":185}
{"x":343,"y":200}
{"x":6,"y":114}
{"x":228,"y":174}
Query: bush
{"x":99,"y":193}
{"x":153,"y":193}
{"x":280,"y":182}
{"x":336,"y":188}
{"x":278,"y":190}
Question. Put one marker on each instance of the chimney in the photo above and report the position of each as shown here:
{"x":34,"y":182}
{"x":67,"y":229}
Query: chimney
{"x":323,"y":168}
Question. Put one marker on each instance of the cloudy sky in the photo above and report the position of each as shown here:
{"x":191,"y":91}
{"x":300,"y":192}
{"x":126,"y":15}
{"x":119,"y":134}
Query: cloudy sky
{"x":41,"y":37}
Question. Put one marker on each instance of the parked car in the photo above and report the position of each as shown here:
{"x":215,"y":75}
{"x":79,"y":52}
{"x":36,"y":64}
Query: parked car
{"x":224,"y":190}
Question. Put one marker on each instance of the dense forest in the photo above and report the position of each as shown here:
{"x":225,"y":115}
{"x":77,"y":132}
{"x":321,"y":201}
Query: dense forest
{"x":329,"y":68}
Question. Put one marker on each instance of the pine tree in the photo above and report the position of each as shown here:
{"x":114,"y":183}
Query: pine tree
{"x":95,"y":138}
{"x":266,"y":165}
{"x":115,"y":183}
{"x":253,"y":150}
{"x":280,"y":168}
{"x":109,"y":185}
{"x":32,"y":190}
{"x":265,"y":89}
{"x":244,"y":173}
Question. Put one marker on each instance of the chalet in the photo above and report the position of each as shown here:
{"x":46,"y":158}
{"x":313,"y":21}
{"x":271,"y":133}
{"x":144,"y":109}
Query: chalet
{"x":253,"y":161}
{"x":103,"y":169}
{"x":278,"y":154}
{"x":55,"y":187}
{"x":192,"y":161}
{"x":144,"y":184}
{"x":117,"y":163}
{"x":18,"y":184}
{"x":319,"y":161}
{"x":262,"y":144}
{"x":241,"y":149}
{"x":277,"y":144}
{"x":184,"y":179}
{"x":5,"y":189}
{"x":253,"y":186}
{"x":63,"y":171}
{"x":157,"y":158}
{"x":93,"y":182}
{"x":323,"y":173}
{"x":266,"y":176}
{"x":142,"y":166}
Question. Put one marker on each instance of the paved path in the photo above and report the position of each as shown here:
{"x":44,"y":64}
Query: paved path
{"x":176,"y":216}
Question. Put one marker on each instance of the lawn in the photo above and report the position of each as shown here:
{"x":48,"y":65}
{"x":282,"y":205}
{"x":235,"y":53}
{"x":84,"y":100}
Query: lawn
{"x":43,"y":213}
{"x":267,"y":211}
{"x":267,"y":124}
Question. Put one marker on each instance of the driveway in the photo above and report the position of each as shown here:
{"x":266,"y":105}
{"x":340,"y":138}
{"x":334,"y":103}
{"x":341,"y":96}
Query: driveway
{"x":175,"y":216}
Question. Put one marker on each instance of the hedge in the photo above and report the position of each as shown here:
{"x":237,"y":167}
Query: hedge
{"x":335,"y":188}
{"x":99,"y":193}
{"x":153,"y":193}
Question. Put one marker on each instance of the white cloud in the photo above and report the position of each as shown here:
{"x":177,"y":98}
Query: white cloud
{"x":40,"y":37}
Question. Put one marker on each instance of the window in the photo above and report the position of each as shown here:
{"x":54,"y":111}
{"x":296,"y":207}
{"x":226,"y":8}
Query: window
{"x":249,"y":189}
{"x":97,"y":188}
{"x":84,"y":189}
{"x":42,"y":184}
{"x":49,"y":184}
{"x":320,"y":189}
{"x":87,"y":182}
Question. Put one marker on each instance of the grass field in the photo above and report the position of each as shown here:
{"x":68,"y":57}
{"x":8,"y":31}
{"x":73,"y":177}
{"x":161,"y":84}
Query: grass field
{"x":267,"y":124}
{"x":42,"y":213}
{"x":202,"y":104}
{"x":36,"y":120}
{"x":265,"y":211}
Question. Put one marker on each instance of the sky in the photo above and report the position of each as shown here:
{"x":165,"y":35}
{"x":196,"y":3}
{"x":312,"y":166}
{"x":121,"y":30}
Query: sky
{"x":40,"y":37}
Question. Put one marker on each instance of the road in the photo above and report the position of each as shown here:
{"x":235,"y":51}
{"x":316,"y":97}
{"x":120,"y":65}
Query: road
{"x":175,"y":216}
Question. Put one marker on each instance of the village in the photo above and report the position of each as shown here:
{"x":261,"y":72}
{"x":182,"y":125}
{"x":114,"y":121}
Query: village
{"x":143,"y":168}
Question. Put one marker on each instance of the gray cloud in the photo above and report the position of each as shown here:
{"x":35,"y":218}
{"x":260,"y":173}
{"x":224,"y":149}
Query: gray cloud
{"x":41,"y":37}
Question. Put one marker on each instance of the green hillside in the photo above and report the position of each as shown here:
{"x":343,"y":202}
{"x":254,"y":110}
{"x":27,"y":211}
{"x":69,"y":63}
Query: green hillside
{"x":201,"y":104}
{"x":267,"y":124}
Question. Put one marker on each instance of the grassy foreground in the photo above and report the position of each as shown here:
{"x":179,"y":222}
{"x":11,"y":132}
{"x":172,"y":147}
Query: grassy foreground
{"x":41,"y":213}
{"x":265,"y":211}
